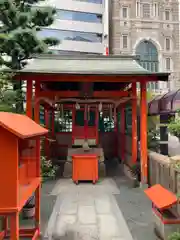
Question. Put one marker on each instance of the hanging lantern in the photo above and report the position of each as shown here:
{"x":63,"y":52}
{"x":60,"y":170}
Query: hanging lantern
{"x":77,"y":106}
{"x":110,"y":112}
{"x":88,"y":112}
{"x":62,"y":111}
{"x":100,"y":107}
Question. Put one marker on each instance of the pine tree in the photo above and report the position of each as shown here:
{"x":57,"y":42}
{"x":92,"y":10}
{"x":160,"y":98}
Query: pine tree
{"x":20,"y":20}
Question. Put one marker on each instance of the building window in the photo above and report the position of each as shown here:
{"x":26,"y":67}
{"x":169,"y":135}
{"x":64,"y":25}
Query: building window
{"x":168,"y":44}
{"x":78,"y":16}
{"x":148,"y":59}
{"x":137,"y":9}
{"x":167,"y":15}
{"x":146,"y":10}
{"x":125,"y":41}
{"x":155,"y":9}
{"x":124,"y":12}
{"x":168,"y":64}
{"x":70,"y":35}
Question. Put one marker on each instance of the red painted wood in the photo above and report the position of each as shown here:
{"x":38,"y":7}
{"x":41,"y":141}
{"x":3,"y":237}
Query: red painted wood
{"x":143,"y":133}
{"x":134,"y":123}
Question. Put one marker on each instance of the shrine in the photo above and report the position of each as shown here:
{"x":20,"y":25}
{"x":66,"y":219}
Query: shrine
{"x":83,"y":101}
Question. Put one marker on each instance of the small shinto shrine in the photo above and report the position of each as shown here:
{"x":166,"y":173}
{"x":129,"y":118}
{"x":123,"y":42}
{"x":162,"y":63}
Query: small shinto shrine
{"x":20,"y":171}
{"x":83,"y":101}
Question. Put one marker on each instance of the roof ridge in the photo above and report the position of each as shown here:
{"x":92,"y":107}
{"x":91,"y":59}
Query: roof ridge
{"x":79,"y":57}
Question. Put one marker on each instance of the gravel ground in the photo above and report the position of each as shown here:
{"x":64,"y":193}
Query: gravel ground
{"x":136,"y":209}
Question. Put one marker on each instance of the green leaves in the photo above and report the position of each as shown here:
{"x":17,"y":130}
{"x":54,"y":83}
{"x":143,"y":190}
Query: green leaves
{"x":18,"y":33}
{"x":174,"y":236}
{"x":174,"y":127}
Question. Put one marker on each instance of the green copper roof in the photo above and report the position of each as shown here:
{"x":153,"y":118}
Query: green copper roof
{"x":88,"y":65}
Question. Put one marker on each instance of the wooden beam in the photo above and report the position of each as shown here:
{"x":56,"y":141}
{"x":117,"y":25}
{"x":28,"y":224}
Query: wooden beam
{"x":134,"y":123}
{"x":29,"y":92}
{"x":122,"y":131}
{"x":76,"y":94}
{"x":84,"y":78}
{"x":143,"y":133}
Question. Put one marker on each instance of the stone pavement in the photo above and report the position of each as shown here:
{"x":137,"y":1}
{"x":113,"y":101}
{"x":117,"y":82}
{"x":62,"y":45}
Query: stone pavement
{"x":86,"y":212}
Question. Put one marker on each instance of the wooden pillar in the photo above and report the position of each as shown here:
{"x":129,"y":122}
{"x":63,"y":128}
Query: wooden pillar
{"x":14,"y":226}
{"x":116,"y":130}
{"x":29,"y":92}
{"x":134,"y":123}
{"x":46,"y":122}
{"x":97,"y":124}
{"x":52,"y":123}
{"x":122,"y":131}
{"x":143,"y":134}
{"x":73,"y":122}
{"x":37,"y":193}
{"x":164,"y":120}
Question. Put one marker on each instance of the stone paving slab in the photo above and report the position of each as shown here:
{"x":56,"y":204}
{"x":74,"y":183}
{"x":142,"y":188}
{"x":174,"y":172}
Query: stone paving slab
{"x":87,"y":212}
{"x":106,"y":185}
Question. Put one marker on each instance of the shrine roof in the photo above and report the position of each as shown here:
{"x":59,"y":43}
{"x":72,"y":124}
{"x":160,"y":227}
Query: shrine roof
{"x":88,"y":65}
{"x":21,"y":125}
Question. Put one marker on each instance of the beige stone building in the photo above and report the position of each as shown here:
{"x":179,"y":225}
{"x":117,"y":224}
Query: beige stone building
{"x":149,"y":29}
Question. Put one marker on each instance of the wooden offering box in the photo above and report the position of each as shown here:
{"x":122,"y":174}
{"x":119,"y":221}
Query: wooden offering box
{"x":19,"y":172}
{"x":85,"y":168}
{"x":164,"y":221}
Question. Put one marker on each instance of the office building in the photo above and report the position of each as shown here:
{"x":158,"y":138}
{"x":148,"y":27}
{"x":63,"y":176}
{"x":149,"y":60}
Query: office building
{"x":80,"y":25}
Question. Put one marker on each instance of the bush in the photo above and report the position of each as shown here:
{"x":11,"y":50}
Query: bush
{"x":48,"y":170}
{"x":175,"y":236}
{"x":174,"y":127}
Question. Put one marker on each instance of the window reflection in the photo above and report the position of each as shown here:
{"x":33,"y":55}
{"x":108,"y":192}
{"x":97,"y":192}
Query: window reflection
{"x":63,"y":52}
{"x":78,"y":16}
{"x":91,"y":1}
{"x":70,"y":35}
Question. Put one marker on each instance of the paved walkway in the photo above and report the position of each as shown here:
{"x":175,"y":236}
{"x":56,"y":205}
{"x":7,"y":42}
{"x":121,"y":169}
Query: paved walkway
{"x":86,"y":212}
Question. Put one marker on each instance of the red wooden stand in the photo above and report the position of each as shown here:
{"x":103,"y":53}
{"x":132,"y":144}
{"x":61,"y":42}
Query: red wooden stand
{"x":19,"y":172}
{"x":165,"y":221}
{"x":85,"y":168}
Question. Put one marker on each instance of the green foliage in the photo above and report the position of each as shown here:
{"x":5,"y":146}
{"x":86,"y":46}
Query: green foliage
{"x":174,"y":236}
{"x":48,"y":170}
{"x":7,"y":95}
{"x":174,"y":127}
{"x":153,"y":140}
{"x":20,"y":22}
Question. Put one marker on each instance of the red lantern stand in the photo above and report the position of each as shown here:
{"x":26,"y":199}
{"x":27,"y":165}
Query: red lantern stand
{"x":20,"y":172}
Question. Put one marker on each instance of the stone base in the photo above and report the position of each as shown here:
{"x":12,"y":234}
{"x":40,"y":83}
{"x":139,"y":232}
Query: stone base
{"x":162,"y":230}
{"x":133,"y":179}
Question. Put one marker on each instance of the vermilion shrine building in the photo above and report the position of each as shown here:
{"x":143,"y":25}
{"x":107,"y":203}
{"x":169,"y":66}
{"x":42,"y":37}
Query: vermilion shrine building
{"x":91,"y":88}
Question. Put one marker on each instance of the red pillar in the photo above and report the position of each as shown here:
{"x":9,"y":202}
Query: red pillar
{"x":52,"y":123}
{"x":122,"y":131}
{"x":46,"y":121}
{"x":29,"y":98}
{"x":37,"y":193}
{"x":143,"y":132}
{"x":116,"y":130}
{"x":134,"y":123}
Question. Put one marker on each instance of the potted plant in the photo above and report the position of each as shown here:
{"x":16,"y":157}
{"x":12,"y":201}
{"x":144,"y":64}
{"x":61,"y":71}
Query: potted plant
{"x":48,"y":171}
